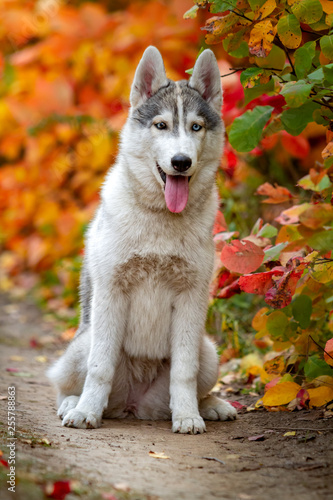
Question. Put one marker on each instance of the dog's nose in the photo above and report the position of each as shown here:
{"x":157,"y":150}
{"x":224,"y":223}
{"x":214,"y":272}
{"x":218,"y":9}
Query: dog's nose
{"x":181,"y":163}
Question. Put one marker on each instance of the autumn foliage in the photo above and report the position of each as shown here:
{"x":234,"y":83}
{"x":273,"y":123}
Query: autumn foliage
{"x":66,"y":72}
{"x":282,"y":52}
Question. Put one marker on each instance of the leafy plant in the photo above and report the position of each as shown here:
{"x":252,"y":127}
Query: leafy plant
{"x":285,"y":54}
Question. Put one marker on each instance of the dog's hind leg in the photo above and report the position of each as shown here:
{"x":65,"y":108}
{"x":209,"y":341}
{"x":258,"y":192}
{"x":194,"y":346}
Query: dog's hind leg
{"x":211,"y":407}
{"x":69,"y":372}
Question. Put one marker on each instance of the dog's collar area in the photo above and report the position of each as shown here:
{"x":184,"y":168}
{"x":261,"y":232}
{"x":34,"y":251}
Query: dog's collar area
{"x":163,"y":174}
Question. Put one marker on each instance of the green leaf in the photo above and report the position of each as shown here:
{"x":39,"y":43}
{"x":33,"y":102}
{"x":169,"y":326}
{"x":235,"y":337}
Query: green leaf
{"x":222,"y":6}
{"x":322,"y":241}
{"x":273,"y":253}
{"x":268,"y":231}
{"x":319,"y":25}
{"x":307,"y":11}
{"x":246,"y":130}
{"x":301,"y":307}
{"x":256,"y":4}
{"x":289,"y":31}
{"x":296,"y":93}
{"x":326,"y":45}
{"x":315,"y":367}
{"x":276,"y":324}
{"x":235,"y":45}
{"x":257,"y":91}
{"x":276,"y":59}
{"x":316,"y":76}
{"x":191,"y":13}
{"x":303,"y":59}
{"x":250,"y":77}
{"x":328,"y":74}
{"x":295,"y":120}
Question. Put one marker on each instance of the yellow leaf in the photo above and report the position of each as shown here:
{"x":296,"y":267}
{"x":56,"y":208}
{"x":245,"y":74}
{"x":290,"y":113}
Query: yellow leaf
{"x":265,"y":10}
{"x":320,"y":396}
{"x":158,"y":455}
{"x":41,"y":359}
{"x":275,"y":366}
{"x":323,"y":273}
{"x":16,"y":358}
{"x":291,"y":433}
{"x":260,"y":319}
{"x":251,"y":360}
{"x":281,"y":394}
{"x":261,"y":38}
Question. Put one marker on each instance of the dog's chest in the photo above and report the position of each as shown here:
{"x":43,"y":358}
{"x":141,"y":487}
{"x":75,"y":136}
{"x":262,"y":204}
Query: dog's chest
{"x":153,"y":284}
{"x":169,"y":272}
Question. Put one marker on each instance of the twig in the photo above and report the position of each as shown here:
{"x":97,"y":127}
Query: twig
{"x":298,"y":429}
{"x":290,"y":61}
{"x":215,"y":459}
{"x":320,"y":347}
{"x":232,"y":73}
{"x":323,"y":104}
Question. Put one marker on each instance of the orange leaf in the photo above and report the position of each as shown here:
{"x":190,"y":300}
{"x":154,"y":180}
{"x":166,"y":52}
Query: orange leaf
{"x":277,"y":194}
{"x":329,"y":351}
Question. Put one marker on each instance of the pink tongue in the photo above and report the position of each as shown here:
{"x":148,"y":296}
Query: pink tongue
{"x":176,"y":193}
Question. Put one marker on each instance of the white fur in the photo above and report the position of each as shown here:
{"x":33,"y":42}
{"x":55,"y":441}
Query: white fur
{"x":144,"y":349}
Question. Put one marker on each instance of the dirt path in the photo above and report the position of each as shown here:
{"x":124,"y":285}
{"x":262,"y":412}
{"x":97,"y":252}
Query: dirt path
{"x":114,"y":460}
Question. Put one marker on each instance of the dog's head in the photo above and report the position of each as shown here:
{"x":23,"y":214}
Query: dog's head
{"x":175,"y":129}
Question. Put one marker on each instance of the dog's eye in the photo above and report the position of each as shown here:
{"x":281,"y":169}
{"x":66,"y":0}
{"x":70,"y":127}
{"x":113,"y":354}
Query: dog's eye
{"x":160,"y":125}
{"x":196,"y":127}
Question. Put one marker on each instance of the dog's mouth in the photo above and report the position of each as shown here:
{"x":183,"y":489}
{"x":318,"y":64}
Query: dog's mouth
{"x":176,"y":190}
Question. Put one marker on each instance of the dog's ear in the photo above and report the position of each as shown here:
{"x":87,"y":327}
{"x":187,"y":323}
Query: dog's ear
{"x":206,"y":79}
{"x":149,"y":77}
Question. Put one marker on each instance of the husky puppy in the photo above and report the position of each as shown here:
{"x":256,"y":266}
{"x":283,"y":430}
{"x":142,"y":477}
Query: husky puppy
{"x":141,"y":348}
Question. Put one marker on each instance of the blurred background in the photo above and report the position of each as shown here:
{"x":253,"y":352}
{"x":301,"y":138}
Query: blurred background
{"x":66,"y":69}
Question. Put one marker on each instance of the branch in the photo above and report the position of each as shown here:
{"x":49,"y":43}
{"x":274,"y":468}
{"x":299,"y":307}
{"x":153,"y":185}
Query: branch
{"x":328,"y":354}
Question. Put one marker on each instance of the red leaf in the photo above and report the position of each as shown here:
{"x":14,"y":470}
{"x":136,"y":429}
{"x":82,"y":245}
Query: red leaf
{"x":3,"y":462}
{"x":276,"y":194}
{"x":237,"y":405}
{"x":229,"y":290}
{"x":220,"y":223}
{"x":282,"y":291}
{"x":58,"y":490}
{"x":242,"y":256}
{"x":297,"y":146}
{"x":259,"y":283}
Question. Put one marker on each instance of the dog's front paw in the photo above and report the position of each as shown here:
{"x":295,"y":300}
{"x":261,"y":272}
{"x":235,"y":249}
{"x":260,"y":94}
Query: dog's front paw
{"x":188,"y":425}
{"x":214,"y":408}
{"x":81,"y":419}
{"x":68,"y":404}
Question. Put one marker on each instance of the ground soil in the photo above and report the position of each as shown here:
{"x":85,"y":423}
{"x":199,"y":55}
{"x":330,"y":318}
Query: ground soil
{"x":114,"y":461}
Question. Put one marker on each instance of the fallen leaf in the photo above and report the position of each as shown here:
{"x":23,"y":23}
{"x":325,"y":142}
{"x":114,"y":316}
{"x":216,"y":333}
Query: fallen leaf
{"x":281,"y":394}
{"x":260,"y":437}
{"x":290,"y":433}
{"x":320,"y":396}
{"x":41,"y":359}
{"x":237,"y":405}
{"x":16,"y":358}
{"x":158,"y":455}
{"x":57,"y":490}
